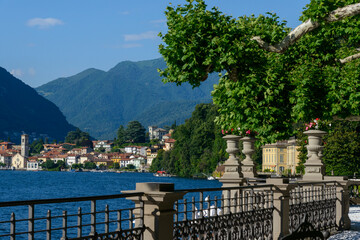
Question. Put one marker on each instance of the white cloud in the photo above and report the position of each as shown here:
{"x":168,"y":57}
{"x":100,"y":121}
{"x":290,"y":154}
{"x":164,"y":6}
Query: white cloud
{"x":43,"y":23}
{"x":140,"y":36}
{"x":31,"y":71}
{"x":17,"y":72}
{"x":131,"y":45}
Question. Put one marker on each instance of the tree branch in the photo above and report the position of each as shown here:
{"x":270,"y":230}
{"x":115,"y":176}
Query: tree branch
{"x":308,"y":26}
{"x":350,"y":58}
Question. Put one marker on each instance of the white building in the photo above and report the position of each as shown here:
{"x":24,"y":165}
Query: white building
{"x":156,"y":133}
{"x":72,"y":159}
{"x":106,"y":144}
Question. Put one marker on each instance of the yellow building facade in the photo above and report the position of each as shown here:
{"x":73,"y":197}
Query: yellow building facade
{"x":280,"y":157}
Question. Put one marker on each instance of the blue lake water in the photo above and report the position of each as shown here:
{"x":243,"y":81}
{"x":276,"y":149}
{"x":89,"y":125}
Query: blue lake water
{"x":24,"y":185}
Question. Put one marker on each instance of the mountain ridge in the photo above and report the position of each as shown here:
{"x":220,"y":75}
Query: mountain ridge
{"x":99,"y":102}
{"x":23,"y":109}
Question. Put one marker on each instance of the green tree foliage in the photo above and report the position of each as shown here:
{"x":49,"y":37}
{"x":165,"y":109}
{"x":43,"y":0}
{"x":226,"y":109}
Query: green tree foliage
{"x":199,"y":146}
{"x":89,"y":165}
{"x":36,"y":146}
{"x":77,"y":166}
{"x":52,"y":166}
{"x":259,"y":90}
{"x":342,"y":148}
{"x":78,"y":137}
{"x":134,"y":133}
{"x":121,"y":134}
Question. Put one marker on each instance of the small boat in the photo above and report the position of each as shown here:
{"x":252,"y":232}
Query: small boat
{"x":161,"y":174}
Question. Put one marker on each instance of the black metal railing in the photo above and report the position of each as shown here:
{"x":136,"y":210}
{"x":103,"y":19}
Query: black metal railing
{"x":225,"y":213}
{"x":123,"y":221}
{"x":316,"y":202}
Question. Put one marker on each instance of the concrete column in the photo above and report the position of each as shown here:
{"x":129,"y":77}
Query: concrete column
{"x":159,"y":210}
{"x":342,"y":202}
{"x":281,"y":218}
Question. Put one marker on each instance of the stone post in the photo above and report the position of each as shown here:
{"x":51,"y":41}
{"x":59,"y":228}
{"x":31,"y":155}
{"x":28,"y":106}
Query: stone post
{"x":314,"y":166}
{"x":343,"y":201}
{"x":233,"y":176}
{"x":159,"y":199}
{"x":248,"y":168}
{"x":281,"y":212}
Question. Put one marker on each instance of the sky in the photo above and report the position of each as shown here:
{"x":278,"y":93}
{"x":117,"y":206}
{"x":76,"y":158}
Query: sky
{"x":43,"y":40}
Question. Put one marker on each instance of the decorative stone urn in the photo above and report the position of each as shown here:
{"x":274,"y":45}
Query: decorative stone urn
{"x":233,"y":175}
{"x":249,"y":167}
{"x":314,"y":166}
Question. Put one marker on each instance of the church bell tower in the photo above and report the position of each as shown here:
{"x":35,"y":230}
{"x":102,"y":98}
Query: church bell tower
{"x":25,"y":145}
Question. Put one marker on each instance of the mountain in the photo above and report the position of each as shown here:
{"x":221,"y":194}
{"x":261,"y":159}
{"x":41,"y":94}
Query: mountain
{"x":99,"y":102}
{"x":24,"y":110}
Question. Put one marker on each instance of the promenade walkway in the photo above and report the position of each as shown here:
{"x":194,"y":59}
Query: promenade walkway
{"x":354,"y":233}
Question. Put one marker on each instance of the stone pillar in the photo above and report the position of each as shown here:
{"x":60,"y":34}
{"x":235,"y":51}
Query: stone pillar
{"x":249,"y":167}
{"x":314,"y":166}
{"x":281,"y":212}
{"x":159,"y":199}
{"x":233,"y":176}
{"x":343,"y":201}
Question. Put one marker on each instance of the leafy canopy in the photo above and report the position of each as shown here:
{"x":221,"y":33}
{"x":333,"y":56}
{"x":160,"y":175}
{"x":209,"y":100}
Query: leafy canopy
{"x":259,"y":90}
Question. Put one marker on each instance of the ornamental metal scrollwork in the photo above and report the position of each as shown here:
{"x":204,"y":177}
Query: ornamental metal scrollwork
{"x":254,"y":224}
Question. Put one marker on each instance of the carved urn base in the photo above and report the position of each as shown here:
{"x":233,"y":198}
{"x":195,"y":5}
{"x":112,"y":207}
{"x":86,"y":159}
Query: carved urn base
{"x":314,"y":166}
{"x":232,"y":176}
{"x":248,"y":165}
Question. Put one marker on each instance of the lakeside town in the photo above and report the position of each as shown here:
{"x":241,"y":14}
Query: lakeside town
{"x":99,"y":156}
{"x":280,"y":157}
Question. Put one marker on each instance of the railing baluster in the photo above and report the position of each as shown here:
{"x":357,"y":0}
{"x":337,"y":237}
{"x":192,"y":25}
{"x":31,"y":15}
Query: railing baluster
{"x":185,"y":210}
{"x":106,"y":218}
{"x":118,"y":220}
{"x":176,"y":206}
{"x":201,"y":204}
{"x":48,"y":225}
{"x":216,"y":205}
{"x":93,"y":218}
{"x":31,"y":222}
{"x":64,"y":230}
{"x":193,"y":213}
{"x":12,"y":226}
{"x":141,"y":221}
{"x":131,"y":223}
{"x":79,"y":220}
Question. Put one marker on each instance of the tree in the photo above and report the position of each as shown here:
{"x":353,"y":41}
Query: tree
{"x":78,"y":137}
{"x":49,"y":164}
{"x":121,"y":135}
{"x":89,"y":165}
{"x":342,"y":148}
{"x":263,"y":90}
{"x":199,"y":146}
{"x":135,"y":132}
{"x":36,"y":146}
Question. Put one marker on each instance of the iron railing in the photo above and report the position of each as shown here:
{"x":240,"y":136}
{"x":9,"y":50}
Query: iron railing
{"x":315,"y":202}
{"x":117,"y":223}
{"x":225,"y":213}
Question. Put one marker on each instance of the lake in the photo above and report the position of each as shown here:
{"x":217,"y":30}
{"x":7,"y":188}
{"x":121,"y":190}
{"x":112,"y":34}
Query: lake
{"x":26,"y":185}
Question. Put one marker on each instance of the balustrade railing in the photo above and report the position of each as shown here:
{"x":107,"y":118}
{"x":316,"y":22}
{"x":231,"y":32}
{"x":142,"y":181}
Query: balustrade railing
{"x":316,"y":202}
{"x":59,"y":218}
{"x":225,"y":213}
{"x":354,"y":191}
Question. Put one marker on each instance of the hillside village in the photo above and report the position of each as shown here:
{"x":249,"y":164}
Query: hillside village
{"x":138,"y":157}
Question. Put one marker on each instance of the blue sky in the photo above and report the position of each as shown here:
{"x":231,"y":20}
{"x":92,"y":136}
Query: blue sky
{"x":42,"y":40}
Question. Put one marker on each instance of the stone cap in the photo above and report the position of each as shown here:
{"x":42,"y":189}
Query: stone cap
{"x":154,"y":187}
